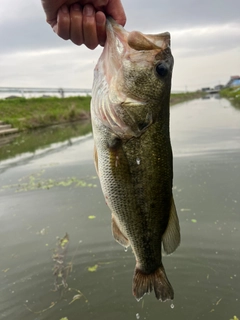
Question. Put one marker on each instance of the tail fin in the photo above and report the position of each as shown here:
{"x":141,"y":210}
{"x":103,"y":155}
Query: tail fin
{"x":145,"y":283}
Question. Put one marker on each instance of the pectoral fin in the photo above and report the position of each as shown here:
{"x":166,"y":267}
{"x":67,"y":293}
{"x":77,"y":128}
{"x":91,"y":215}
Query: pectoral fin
{"x":95,"y":156}
{"x":118,"y":235}
{"x":171,"y":237}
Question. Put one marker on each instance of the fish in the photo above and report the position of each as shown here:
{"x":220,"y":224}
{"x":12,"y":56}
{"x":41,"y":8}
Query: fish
{"x":132,"y":150}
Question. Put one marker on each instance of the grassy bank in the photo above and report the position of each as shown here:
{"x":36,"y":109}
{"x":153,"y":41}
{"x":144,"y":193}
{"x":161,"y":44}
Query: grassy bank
{"x":181,"y":97}
{"x":232,"y":94}
{"x":40,"y":112}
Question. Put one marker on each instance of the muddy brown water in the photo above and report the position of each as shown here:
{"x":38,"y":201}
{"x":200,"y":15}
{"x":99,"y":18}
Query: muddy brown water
{"x":48,"y":191}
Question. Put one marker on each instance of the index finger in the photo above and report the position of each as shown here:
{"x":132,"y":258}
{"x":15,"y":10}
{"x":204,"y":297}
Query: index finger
{"x":115,"y":9}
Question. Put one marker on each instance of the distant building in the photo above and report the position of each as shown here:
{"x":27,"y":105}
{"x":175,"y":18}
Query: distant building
{"x":234,"y":81}
{"x":209,"y":90}
{"x":219,"y":87}
{"x":206,"y":89}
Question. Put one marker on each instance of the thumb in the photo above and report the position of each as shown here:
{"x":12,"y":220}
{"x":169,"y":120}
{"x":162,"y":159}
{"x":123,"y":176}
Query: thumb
{"x":115,"y":9}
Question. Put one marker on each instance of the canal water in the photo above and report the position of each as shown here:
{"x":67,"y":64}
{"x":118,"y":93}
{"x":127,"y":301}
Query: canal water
{"x":48,"y":187}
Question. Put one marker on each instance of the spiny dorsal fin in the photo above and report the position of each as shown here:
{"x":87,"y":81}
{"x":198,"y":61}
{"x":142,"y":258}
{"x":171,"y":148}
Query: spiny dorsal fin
{"x":171,"y":237}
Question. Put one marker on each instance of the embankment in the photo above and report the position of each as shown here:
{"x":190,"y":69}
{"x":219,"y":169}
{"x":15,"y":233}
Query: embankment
{"x":32,"y":113}
{"x":232,"y":94}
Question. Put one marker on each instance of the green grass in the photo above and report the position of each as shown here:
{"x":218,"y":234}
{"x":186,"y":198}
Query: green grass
{"x":181,"y":97}
{"x":41,"y":112}
{"x":232,"y":94}
{"x":37,"y":112}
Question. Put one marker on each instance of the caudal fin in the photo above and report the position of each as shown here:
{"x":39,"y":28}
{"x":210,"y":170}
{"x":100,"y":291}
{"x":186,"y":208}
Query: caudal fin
{"x":157,"y":281}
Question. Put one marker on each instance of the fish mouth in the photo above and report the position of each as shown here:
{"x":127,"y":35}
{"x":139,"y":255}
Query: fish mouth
{"x":122,"y":47}
{"x":113,"y":102}
{"x":116,"y":34}
{"x":135,"y":40}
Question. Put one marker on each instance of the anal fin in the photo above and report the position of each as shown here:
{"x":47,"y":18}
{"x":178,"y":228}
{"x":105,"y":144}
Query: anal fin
{"x":118,"y":235}
{"x":171,"y":237}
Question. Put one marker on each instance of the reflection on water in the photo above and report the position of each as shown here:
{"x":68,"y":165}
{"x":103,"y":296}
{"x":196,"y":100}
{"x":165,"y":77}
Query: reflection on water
{"x":204,"y":270}
{"x":41,"y":138}
{"x":203,"y":127}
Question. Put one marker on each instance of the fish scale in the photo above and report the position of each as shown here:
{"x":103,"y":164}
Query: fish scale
{"x":133,"y":155}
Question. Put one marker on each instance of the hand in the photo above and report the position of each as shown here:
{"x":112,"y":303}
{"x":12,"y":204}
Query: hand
{"x":84,"y":21}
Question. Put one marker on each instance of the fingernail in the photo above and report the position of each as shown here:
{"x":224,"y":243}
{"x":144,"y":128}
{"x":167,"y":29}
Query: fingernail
{"x":64,"y":9}
{"x":88,"y":10}
{"x":100,"y":19}
{"x":76,"y":7}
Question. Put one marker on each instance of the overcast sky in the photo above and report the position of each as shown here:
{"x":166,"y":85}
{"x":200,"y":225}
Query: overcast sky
{"x":205,"y":43}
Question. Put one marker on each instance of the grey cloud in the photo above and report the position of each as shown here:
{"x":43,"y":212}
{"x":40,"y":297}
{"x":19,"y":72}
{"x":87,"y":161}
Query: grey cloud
{"x":215,"y":40}
{"x":24,"y":28}
{"x":166,"y":14}
{"x":28,"y":35}
{"x":24,"y":36}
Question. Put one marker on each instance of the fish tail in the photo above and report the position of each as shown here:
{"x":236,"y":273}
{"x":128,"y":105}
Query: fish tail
{"x":144,"y":283}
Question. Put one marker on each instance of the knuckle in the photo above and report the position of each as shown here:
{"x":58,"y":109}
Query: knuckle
{"x":92,"y":46}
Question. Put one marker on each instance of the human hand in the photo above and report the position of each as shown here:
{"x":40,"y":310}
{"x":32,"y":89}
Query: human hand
{"x":83,"y":21}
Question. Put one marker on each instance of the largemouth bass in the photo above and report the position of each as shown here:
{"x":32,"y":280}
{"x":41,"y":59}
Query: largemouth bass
{"x":133,"y":155}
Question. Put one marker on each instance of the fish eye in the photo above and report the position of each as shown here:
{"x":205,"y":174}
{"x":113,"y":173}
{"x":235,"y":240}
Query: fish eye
{"x":162,"y":69}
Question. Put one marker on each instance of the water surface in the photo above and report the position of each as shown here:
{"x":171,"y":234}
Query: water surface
{"x":51,"y":191}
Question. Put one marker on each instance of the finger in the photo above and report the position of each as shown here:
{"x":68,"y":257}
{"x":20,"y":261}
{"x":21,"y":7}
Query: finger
{"x":63,"y":23}
{"x":76,"y":18}
{"x":51,"y":8}
{"x":115,"y":10}
{"x":101,"y":27}
{"x":89,"y":27}
{"x":101,"y":3}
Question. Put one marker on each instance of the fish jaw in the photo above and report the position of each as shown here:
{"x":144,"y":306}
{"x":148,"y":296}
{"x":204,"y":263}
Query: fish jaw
{"x":117,"y":97}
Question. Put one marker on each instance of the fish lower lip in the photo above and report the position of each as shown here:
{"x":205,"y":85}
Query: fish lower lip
{"x":116,"y":33}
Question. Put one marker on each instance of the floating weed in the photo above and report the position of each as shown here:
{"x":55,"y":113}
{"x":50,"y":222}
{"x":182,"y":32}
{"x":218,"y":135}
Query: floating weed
{"x":76,"y":297}
{"x":217,"y":303}
{"x":36,"y":181}
{"x":81,"y":183}
{"x":41,"y":311}
{"x":106,"y":263}
{"x":61,"y":270}
{"x":93,"y":269}
{"x":194,"y":220}
{"x":65,"y":318}
{"x":234,"y":318}
{"x":91,"y":217}
{"x":65,"y":183}
{"x":43,"y":231}
{"x":64,"y":242}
